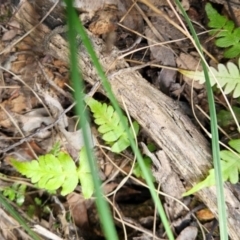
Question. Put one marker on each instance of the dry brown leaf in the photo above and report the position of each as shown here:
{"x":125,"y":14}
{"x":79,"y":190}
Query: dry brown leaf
{"x":23,"y":152}
{"x":109,"y":187}
{"x":165,"y":56}
{"x":9,"y":35}
{"x":14,"y":24}
{"x":185,"y":4}
{"x":187,"y":61}
{"x":205,"y":215}
{"x":18,"y":103}
{"x":108,"y":168}
{"x":13,"y":106}
{"x":78,"y":209}
{"x":188,"y":233}
{"x":131,"y":19}
{"x":34,"y":119}
{"x":105,"y":21}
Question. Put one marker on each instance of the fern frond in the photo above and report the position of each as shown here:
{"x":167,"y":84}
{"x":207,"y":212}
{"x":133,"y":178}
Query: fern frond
{"x":225,"y":118}
{"x":51,"y":172}
{"x":110,"y":126}
{"x":226,"y":33}
{"x":230,"y":164}
{"x":84,"y":174}
{"x":227,"y":76}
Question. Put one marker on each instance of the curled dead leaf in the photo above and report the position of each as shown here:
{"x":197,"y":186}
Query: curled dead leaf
{"x":187,"y":61}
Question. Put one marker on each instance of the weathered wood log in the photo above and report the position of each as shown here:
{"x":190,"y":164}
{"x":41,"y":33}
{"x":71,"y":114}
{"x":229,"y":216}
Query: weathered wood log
{"x":159,"y":115}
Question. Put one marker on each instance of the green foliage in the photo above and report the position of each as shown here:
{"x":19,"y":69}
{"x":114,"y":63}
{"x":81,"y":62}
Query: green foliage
{"x":110,"y":126}
{"x":151,"y":147}
{"x":51,"y":172}
{"x":148,"y":165}
{"x":57,"y":169}
{"x":230,"y":165}
{"x":38,"y":201}
{"x":225,"y":118}
{"x":15,"y":192}
{"x":228,"y":36}
{"x":6,"y":205}
{"x":55,"y":149}
{"x":84,"y":175}
{"x":31,"y":210}
{"x":227,"y":76}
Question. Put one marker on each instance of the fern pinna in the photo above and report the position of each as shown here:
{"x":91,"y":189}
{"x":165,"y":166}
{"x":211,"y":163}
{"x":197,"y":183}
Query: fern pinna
{"x":227,"y":76}
{"x":58,"y":170}
{"x":110,"y":126}
{"x":230,"y":164}
{"x":51,"y":172}
{"x":228,"y":36}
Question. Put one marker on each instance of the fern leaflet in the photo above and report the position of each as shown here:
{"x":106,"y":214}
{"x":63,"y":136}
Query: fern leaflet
{"x":51,"y":172}
{"x":226,"y":33}
{"x":227,"y":76}
{"x":110,"y":126}
{"x":230,"y":164}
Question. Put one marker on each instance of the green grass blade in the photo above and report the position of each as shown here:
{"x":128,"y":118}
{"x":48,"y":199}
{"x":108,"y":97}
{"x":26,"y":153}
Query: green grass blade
{"x":16,"y":215}
{"x":77,"y":82}
{"x":215,"y":145}
{"x":87,"y":43}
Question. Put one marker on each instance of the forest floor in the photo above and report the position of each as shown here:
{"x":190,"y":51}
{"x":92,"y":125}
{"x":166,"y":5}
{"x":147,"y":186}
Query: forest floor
{"x":36,"y":89}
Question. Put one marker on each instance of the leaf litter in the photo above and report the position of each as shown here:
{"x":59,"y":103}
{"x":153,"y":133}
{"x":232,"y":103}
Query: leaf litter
{"x":33,"y":103}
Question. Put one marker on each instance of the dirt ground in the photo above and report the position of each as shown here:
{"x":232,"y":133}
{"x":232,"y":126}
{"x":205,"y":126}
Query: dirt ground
{"x":141,"y":47}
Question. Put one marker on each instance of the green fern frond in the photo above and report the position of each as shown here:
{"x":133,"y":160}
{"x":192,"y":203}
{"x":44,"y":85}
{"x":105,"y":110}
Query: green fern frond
{"x":225,"y":119}
{"x":51,"y":172}
{"x":110,"y":126}
{"x":227,"y":76}
{"x":230,"y":164}
{"x":55,"y":149}
{"x":15,"y":192}
{"x":226,"y":33}
{"x":84,"y":174}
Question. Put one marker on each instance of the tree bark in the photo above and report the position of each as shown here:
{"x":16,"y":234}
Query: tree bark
{"x":159,"y":115}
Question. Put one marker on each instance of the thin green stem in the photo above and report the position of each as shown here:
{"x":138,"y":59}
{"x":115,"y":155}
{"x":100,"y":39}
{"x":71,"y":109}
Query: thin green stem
{"x":215,"y":138}
{"x":17,"y":216}
{"x":107,"y":87}
{"x":77,"y":82}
